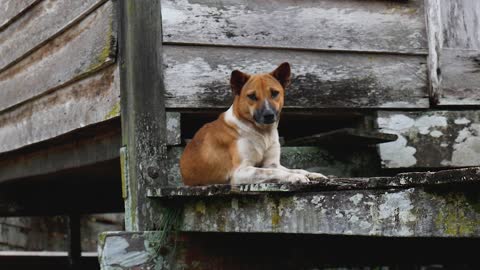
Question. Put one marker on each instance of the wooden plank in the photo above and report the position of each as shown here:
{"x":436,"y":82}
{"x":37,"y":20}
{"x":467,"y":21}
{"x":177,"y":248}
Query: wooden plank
{"x":13,"y":9}
{"x":83,"y":49}
{"x":89,"y":101}
{"x":460,"y":78}
{"x":206,"y":251}
{"x":432,"y":139}
{"x":391,"y":26}
{"x":435,"y":40}
{"x":411,"y":212}
{"x":345,"y":136}
{"x":403,"y":180}
{"x":76,"y":151}
{"x":320,"y":80}
{"x":41,"y":23}
{"x":143,"y":108}
{"x":461,"y":24}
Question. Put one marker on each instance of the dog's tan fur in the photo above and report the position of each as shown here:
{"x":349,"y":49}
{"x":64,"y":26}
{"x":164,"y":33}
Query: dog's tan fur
{"x":236,"y":148}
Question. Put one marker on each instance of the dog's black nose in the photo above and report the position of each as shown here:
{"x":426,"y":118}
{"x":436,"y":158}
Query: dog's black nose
{"x":269,"y":117}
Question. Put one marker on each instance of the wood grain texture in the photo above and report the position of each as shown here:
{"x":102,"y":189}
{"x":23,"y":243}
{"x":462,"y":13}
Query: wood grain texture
{"x":394,"y":26}
{"x":82,"y":50}
{"x":461,"y":24}
{"x":80,"y":104}
{"x":13,"y":9}
{"x":41,"y":23}
{"x":432,"y":139}
{"x":198,"y":77}
{"x":410,"y":212}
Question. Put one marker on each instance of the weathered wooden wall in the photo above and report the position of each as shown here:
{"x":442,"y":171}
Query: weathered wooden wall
{"x":454,"y":28}
{"x":373,"y":57}
{"x":56,"y":72}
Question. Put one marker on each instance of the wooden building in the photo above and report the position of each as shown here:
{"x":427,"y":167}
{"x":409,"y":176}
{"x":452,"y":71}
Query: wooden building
{"x":380,"y":87}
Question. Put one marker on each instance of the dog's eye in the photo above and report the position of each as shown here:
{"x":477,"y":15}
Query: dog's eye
{"x":252,"y":97}
{"x":275,"y":93}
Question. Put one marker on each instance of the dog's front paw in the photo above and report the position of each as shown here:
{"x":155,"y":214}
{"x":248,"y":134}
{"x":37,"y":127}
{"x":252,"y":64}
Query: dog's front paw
{"x":296,"y":178}
{"x":316,"y":176}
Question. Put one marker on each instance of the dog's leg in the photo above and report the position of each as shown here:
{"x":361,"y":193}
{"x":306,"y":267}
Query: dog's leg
{"x":272,"y":160}
{"x":253,"y":175}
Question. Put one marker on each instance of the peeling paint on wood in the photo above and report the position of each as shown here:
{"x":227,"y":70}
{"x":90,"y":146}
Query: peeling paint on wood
{"x":320,"y":80}
{"x":83,"y":49}
{"x":13,"y":9}
{"x":332,"y":25}
{"x":411,"y":212}
{"x":39,"y":24}
{"x":77,"y":105}
{"x":431,"y":139}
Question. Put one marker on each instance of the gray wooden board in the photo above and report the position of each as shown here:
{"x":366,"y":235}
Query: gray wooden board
{"x":42,"y":22}
{"x":75,"y":154}
{"x":394,"y":26}
{"x":430,"y":139}
{"x":89,"y":101}
{"x":353,"y":163}
{"x":198,"y":77}
{"x":83,"y":49}
{"x":414,"y":212}
{"x":461,"y":24}
{"x":460,"y":76}
{"x":12,"y":9}
{"x":402,"y":180}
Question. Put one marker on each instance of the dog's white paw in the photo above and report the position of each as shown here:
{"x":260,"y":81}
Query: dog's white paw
{"x":295,"y":178}
{"x":316,"y":176}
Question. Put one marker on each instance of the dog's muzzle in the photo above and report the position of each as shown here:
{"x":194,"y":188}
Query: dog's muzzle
{"x":266,"y":115}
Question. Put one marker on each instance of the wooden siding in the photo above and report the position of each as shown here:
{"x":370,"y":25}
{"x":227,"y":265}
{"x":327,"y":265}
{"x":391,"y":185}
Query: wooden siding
{"x":198,"y":77}
{"x":12,"y":9}
{"x":391,"y":26}
{"x":66,"y":84}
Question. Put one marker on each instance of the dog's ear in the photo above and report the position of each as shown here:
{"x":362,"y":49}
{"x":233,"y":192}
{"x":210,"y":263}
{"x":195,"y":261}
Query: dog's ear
{"x":238,"y":80}
{"x":282,"y":74}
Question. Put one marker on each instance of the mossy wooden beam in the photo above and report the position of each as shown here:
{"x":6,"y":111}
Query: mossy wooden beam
{"x":142,"y":107}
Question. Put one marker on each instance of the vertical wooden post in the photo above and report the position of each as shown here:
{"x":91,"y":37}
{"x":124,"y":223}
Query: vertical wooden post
{"x":74,"y":241}
{"x":143,"y":109}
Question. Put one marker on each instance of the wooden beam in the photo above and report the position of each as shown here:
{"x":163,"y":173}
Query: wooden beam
{"x":74,"y":240}
{"x":364,"y":25}
{"x":359,"y":81}
{"x":345,"y":136}
{"x":143,"y":108}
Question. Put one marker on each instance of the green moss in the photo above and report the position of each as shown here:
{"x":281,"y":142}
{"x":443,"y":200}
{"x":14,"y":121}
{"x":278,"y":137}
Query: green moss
{"x":114,"y":112}
{"x":107,"y":50}
{"x":200,"y":207}
{"x":455,"y":216}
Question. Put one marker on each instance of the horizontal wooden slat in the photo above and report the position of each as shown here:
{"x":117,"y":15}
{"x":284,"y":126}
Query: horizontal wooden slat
{"x":12,"y":9}
{"x":431,"y":139}
{"x":41,"y":23}
{"x":86,"y":102}
{"x":343,"y":137}
{"x":198,"y":77}
{"x":83,"y":49}
{"x":460,"y":77}
{"x":412,"y":212}
{"x":395,"y":26}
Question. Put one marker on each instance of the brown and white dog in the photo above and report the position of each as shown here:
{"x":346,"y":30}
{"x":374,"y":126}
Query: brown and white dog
{"x":242,"y":146}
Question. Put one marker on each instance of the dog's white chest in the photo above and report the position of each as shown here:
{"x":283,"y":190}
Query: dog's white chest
{"x":254,"y":148}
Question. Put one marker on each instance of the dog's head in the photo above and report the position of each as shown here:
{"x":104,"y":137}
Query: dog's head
{"x":259,"y":97}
